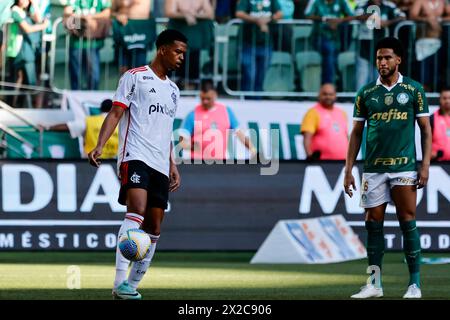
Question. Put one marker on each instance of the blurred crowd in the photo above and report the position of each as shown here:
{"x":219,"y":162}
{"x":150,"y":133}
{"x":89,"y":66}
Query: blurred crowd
{"x":133,"y":28}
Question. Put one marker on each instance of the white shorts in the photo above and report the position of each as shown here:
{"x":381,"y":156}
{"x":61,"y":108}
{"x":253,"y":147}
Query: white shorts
{"x":376,"y":187}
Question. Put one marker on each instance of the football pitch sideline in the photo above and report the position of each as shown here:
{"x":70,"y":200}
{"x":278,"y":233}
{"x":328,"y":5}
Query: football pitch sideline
{"x":205,"y":276}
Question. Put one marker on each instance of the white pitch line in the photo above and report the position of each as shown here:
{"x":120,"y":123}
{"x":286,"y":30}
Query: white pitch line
{"x":428,"y":224}
{"x":36,"y":223}
{"x":93,"y":223}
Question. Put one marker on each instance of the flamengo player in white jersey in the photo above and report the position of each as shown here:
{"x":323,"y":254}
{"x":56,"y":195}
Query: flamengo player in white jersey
{"x":145,"y":104}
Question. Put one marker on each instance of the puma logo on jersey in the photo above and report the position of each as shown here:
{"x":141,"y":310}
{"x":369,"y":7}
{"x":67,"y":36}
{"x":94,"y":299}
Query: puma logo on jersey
{"x":375,"y":99}
{"x":153,"y":90}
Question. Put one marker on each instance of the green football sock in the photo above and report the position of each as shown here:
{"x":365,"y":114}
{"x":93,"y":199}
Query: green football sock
{"x":411,"y":247}
{"x":375,"y":246}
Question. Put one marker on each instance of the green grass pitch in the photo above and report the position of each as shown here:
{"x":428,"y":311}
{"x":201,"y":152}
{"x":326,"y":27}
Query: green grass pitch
{"x":205,"y":276}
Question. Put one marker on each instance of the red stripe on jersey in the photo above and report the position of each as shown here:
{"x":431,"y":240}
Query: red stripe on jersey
{"x":134,"y":219}
{"x":120,"y":104}
{"x":136,"y":70}
{"x":126,"y":135}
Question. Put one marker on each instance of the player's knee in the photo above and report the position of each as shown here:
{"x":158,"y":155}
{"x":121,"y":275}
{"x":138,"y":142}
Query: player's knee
{"x":152,"y":230}
{"x":406,"y":215}
{"x":374,"y":217}
{"x":138,"y":208}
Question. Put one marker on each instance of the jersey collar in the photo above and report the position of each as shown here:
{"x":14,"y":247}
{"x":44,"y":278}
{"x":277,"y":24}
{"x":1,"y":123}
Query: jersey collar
{"x":400,"y":80}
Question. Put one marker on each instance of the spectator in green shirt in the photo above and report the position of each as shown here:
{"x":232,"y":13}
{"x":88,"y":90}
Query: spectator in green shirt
{"x":257,"y":44}
{"x":328,"y":15}
{"x":194,"y":18}
{"x":5,"y":14}
{"x":23,"y":36}
{"x":84,"y":54}
{"x":370,"y":34}
{"x":134,"y":32}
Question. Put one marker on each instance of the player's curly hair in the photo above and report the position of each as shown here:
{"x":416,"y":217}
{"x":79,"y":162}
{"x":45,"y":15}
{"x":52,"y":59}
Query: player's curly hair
{"x":391,"y":43}
{"x":169,"y":36}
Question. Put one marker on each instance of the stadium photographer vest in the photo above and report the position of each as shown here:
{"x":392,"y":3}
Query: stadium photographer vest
{"x":210,"y":132}
{"x":331,"y":137}
{"x":441,"y":135}
{"x":93,"y":126}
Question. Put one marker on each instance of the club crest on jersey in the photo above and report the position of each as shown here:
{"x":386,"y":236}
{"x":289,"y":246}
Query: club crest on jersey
{"x":174,"y":98}
{"x":402,"y":98}
{"x":388,"y":100}
{"x":135,"y":178}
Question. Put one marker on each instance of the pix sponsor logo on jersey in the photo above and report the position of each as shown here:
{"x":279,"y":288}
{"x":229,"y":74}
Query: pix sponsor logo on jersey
{"x":161,"y":108}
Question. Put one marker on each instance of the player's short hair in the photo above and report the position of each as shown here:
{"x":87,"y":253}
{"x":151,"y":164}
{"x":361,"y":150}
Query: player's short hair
{"x":391,"y":43}
{"x":169,"y":36}
{"x":106,"y":105}
{"x":207,"y":85}
{"x":445,"y":89}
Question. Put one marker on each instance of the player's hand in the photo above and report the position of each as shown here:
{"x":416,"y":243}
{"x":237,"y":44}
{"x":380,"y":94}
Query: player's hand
{"x":263,"y":24}
{"x":190,"y":19}
{"x":349,"y":184}
{"x":94,"y":156}
{"x":422,"y":179}
{"x":122,"y":19}
{"x":334,"y":23}
{"x":174,"y":178}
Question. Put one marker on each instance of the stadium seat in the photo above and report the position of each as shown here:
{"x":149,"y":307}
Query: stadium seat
{"x":206,"y":64}
{"x":347,"y":69}
{"x":280,"y":75}
{"x":309,"y":67}
{"x":107,"y":51}
{"x":301,"y":36}
{"x":232,"y":38}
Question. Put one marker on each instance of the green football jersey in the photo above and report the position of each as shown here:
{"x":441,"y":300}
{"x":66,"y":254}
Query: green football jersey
{"x":391,"y":116}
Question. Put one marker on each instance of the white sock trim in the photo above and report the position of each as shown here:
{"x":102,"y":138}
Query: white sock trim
{"x":134,"y":217}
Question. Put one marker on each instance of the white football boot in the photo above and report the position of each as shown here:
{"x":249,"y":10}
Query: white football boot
{"x":413,"y":292}
{"x":368,"y":291}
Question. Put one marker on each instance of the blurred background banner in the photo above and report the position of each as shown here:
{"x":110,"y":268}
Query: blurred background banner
{"x":69,"y":205}
{"x":317,"y":240}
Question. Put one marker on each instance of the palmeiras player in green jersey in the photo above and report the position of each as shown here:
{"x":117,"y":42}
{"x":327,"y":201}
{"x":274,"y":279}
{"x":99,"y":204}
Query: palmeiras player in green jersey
{"x":391,"y":106}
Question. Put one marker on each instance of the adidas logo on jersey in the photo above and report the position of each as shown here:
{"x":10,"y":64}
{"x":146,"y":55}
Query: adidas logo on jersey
{"x":153,"y":90}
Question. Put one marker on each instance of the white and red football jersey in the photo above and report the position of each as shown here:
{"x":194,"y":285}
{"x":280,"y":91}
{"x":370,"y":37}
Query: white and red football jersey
{"x":145,"y":130}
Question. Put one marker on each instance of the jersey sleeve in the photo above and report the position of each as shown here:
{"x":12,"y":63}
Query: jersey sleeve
{"x":421,"y":104}
{"x":360,"y":109}
{"x":347,"y":10}
{"x":310,"y":122}
{"x":16,"y":16}
{"x":243,"y":5}
{"x":311,"y":8}
{"x":125,"y":91}
{"x":234,"y":123}
{"x":104,"y":4}
{"x":275,"y":6}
